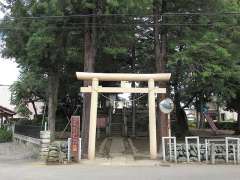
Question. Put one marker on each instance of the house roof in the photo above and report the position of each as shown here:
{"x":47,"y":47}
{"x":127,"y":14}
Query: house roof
{"x":5,"y":111}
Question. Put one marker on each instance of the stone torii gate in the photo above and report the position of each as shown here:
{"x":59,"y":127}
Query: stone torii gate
{"x":95,"y":89}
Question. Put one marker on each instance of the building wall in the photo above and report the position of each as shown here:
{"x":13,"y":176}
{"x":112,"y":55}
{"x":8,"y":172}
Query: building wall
{"x":5,"y":97}
{"x":39,"y":107}
{"x":225,"y":115}
{"x":5,"y":101}
{"x":228,"y":115}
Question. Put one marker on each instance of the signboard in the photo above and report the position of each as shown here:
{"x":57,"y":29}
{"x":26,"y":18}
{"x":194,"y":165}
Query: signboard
{"x":75,"y":134}
{"x":102,"y":121}
{"x":167,"y":106}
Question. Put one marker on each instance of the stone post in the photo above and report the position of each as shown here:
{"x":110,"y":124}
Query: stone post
{"x":45,"y":142}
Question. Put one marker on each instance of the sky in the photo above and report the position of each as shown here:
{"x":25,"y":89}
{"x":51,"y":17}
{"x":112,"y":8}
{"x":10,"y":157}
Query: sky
{"x":8,"y":69}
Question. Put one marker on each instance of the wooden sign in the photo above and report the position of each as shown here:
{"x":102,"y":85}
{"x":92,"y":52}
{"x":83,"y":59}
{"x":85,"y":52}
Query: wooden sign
{"x":75,"y":135}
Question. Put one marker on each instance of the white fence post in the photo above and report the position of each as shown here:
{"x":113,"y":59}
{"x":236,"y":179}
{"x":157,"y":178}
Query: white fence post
{"x":226,"y":149}
{"x":45,"y":126}
{"x":187,"y":151}
{"x":234,"y":154}
{"x":163,"y":149}
{"x":69,"y":149}
{"x":206,"y":149}
{"x":175,"y":149}
{"x":170,"y":148}
{"x":80,"y":149}
{"x":198,"y":146}
{"x":227,"y":139}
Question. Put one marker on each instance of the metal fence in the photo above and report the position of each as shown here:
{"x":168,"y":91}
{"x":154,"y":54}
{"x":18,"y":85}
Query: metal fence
{"x":28,"y":130}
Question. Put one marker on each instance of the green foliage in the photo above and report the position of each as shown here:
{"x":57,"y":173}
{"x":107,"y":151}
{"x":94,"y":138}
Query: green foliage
{"x":224,"y":125}
{"x":5,"y":135}
{"x":203,"y":58}
{"x":30,"y":88}
{"x":115,"y":51}
{"x":23,"y":110}
{"x":192,"y":124}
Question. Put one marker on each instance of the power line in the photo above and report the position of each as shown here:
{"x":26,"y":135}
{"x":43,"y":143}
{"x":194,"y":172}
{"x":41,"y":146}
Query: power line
{"x":74,"y":24}
{"x":200,"y":13}
{"x":124,"y":15}
{"x":112,"y":25}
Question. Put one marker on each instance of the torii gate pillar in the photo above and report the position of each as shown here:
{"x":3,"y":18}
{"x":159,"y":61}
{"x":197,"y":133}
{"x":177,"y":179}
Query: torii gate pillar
{"x":93,"y":120}
{"x":152,"y":120}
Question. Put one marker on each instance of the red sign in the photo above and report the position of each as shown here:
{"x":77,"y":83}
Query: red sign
{"x":102,"y":121}
{"x":75,"y":135}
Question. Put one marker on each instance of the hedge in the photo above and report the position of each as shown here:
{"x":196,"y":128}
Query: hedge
{"x":5,"y":136}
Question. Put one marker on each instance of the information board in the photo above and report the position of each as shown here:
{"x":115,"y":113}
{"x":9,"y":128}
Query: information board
{"x":75,"y":134}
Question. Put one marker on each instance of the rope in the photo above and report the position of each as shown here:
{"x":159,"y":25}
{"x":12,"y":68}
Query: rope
{"x":69,"y":121}
{"x":131,"y":100}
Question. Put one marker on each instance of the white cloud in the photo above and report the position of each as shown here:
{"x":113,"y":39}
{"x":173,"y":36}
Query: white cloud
{"x":8,"y":71}
{"x":8,"y":68}
{"x":1,"y":14}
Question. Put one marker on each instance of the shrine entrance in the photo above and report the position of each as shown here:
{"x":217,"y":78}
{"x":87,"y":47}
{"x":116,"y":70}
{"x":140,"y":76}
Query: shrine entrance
{"x":152,"y":90}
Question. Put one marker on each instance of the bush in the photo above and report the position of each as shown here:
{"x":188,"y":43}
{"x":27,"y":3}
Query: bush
{"x":227,"y":125}
{"x":192,"y":124}
{"x":5,"y":135}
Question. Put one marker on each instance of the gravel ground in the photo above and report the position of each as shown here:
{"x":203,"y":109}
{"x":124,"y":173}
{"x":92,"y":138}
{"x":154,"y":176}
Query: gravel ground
{"x":12,"y":152}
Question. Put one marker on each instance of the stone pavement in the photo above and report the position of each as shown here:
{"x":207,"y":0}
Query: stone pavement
{"x":122,"y":161}
{"x":117,"y":153}
{"x":117,"y":146}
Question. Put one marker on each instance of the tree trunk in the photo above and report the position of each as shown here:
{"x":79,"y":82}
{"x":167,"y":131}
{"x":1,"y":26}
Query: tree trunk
{"x":238,"y":121}
{"x":202,"y":119}
{"x":160,"y":46}
{"x":89,"y":63}
{"x":34,"y":108}
{"x":182,"y":121}
{"x":181,"y":117}
{"x":1,"y":121}
{"x":197,"y":119}
{"x":198,"y":110}
{"x":133,"y":94}
{"x":53,"y":84}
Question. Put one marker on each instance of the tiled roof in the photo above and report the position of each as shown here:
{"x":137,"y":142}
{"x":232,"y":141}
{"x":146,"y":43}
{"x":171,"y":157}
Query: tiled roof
{"x":6,"y":111}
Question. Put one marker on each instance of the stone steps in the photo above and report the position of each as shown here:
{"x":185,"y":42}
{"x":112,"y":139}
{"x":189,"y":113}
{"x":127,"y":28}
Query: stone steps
{"x":116,"y":128}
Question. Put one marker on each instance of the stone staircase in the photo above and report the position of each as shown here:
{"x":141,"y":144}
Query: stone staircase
{"x":116,"y":129}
